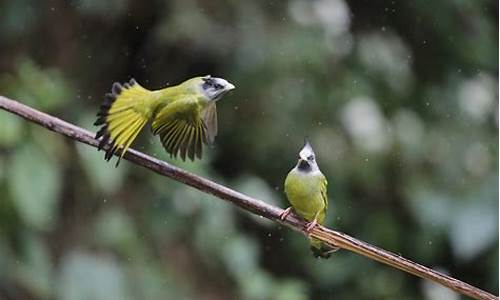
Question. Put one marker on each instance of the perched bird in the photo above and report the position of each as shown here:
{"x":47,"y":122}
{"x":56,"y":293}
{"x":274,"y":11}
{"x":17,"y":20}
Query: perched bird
{"x":184,"y":116}
{"x":305,"y":188}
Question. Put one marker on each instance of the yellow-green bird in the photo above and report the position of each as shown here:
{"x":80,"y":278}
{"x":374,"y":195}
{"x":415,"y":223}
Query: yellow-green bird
{"x":306,"y":190}
{"x":184,"y":116}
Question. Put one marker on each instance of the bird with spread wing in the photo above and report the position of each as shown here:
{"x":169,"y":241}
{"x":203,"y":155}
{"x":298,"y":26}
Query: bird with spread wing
{"x":184,"y":116}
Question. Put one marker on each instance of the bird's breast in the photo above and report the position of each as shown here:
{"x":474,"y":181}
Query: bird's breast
{"x":304,"y":194}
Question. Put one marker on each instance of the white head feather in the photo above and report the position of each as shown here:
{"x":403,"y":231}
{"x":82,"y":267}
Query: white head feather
{"x":307,"y":157}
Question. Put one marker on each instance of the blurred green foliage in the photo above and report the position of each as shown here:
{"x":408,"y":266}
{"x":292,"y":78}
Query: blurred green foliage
{"x":399,"y":99}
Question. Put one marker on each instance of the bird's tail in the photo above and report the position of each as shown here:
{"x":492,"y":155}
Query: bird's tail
{"x":123,"y":114}
{"x":320,"y":249}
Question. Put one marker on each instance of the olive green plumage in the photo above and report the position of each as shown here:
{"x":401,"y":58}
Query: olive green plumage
{"x":184,"y":116}
{"x":306,"y":190}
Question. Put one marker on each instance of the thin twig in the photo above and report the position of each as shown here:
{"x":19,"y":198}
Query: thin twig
{"x":331,"y":237}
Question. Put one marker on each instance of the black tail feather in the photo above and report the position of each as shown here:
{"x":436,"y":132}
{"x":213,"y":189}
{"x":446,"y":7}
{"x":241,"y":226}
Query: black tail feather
{"x":102,"y":115}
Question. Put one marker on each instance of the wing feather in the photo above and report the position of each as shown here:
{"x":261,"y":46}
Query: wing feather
{"x":198,"y":142}
{"x":180,"y":140}
{"x":324,"y":188}
{"x":182,"y":127}
{"x":210,"y":120}
{"x":173,"y":136}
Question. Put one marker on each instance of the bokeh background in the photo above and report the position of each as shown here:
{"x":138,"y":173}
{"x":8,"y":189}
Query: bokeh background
{"x":399,"y":99}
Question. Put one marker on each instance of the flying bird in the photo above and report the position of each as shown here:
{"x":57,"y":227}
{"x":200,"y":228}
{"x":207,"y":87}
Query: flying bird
{"x":184,"y":116}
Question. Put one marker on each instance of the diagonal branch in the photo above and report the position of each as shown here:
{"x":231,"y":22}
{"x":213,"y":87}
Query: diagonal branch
{"x":255,"y":206}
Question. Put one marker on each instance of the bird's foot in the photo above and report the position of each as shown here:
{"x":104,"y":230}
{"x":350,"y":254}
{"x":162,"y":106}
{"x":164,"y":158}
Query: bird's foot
{"x":311,"y":225}
{"x":285,"y":213}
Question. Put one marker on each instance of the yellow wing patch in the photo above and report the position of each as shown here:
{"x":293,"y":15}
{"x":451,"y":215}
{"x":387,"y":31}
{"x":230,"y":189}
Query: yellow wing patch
{"x":122,"y":116}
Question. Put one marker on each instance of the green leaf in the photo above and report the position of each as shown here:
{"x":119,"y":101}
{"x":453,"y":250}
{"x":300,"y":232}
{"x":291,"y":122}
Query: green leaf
{"x":34,"y":268}
{"x":34,"y":183}
{"x":474,"y":226}
{"x":290,"y":290}
{"x":101,"y":174}
{"x":114,"y":228}
{"x":11,"y":129}
{"x":241,"y":256}
{"x":257,"y":286}
{"x":84,"y":276}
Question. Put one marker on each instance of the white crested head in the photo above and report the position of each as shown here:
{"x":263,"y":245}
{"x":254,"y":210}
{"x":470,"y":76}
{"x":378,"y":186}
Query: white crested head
{"x":214,"y":88}
{"x":307,"y":152}
{"x":307,"y":159}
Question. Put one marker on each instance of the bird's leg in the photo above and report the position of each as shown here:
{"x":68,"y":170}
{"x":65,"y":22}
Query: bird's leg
{"x":312,"y":224}
{"x":285,"y":213}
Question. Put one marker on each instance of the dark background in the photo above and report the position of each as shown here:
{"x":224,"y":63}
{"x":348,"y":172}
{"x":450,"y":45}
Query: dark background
{"x":398,"y":98}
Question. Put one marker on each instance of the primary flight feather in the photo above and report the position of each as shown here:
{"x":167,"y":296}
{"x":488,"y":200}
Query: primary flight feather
{"x":184,"y":116}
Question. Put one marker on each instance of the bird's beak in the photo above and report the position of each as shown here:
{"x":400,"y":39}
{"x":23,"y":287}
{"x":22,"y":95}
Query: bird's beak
{"x":229,"y":86}
{"x":303,"y":164}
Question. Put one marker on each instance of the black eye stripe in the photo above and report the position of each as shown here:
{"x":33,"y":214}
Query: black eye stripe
{"x":209,"y":82}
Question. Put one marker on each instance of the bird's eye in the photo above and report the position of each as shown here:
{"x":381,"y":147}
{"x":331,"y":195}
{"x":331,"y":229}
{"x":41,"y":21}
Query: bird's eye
{"x":208,"y":82}
{"x":310,"y":157}
{"x":211,"y":83}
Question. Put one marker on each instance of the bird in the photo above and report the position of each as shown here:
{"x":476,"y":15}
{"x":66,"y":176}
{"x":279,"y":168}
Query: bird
{"x":306,"y":191}
{"x":184,"y":116}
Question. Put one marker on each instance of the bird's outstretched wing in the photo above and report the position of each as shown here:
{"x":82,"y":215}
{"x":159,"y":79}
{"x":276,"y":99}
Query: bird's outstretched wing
{"x":182,"y":129}
{"x":123,"y":114}
{"x":210,"y":121}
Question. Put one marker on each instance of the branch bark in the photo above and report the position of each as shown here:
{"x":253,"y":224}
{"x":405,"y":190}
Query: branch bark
{"x":255,"y":206}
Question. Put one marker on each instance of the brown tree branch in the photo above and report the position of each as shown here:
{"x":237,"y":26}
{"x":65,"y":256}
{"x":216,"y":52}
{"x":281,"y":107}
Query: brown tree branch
{"x":331,"y":237}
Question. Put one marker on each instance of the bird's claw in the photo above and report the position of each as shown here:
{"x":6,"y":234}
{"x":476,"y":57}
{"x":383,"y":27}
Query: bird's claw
{"x":285,"y":213}
{"x":311,"y":225}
